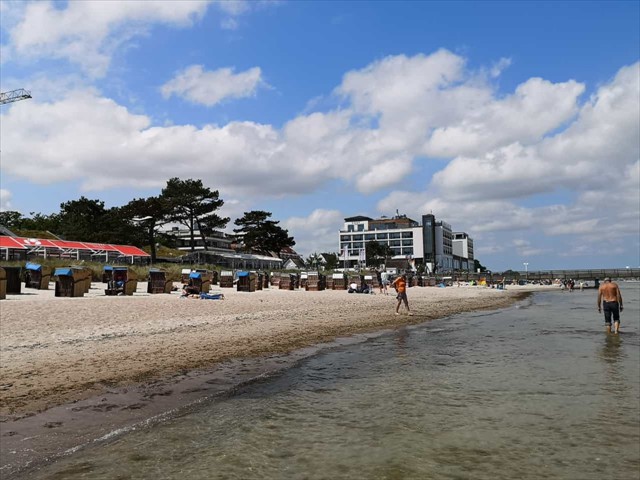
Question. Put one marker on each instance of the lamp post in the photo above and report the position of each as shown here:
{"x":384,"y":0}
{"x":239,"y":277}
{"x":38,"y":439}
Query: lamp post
{"x":526,"y":270}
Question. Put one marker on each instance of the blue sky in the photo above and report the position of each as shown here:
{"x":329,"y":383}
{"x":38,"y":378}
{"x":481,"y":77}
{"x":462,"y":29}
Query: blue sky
{"x":517,"y":122}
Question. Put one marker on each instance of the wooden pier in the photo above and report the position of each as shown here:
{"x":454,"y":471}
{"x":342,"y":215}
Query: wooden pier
{"x":551,"y":275}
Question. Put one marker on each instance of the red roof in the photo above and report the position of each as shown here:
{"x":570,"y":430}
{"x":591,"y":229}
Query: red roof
{"x":71,"y":245}
{"x":100,"y":246}
{"x":129,"y":250}
{"x":10,"y":242}
{"x":36,"y":242}
{"x":24,"y":243}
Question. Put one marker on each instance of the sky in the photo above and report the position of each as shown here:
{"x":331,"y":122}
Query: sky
{"x":516,"y":122}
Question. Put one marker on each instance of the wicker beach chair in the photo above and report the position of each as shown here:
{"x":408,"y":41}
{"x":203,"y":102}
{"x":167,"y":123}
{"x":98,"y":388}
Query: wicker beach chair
{"x":69,"y":282}
{"x":157,"y":282}
{"x":124,"y":282}
{"x":3,"y":284}
{"x":226,"y":279}
{"x":14,"y":285}
{"x":37,"y":276}
{"x":247,"y":281}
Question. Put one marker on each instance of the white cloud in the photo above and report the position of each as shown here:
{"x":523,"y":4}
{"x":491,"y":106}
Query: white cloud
{"x":229,"y":24}
{"x":525,"y":249}
{"x":5,"y":200}
{"x":234,"y":7}
{"x":499,"y":66}
{"x":536,"y":107}
{"x":495,"y":151}
{"x":88,"y":33}
{"x":589,"y":153}
{"x":318,"y":232}
{"x":212,"y":87}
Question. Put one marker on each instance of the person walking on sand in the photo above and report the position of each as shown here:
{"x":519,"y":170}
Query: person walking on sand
{"x":610,"y":299}
{"x":400,"y":284}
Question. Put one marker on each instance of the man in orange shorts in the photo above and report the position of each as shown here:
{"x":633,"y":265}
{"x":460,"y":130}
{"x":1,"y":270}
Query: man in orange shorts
{"x":400,"y":284}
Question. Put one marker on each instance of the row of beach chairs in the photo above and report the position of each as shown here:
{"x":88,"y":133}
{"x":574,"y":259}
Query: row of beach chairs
{"x":72,"y":281}
{"x":75,"y":281}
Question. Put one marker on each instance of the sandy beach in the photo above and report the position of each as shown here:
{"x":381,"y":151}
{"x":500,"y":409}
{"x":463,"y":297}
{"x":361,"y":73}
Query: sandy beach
{"x":62,"y":352}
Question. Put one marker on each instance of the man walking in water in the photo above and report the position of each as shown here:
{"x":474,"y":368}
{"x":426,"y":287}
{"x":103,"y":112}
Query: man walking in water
{"x":400,"y":284}
{"x":610,"y":299}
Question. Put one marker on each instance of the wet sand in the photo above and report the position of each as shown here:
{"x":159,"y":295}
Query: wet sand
{"x":74,"y":370}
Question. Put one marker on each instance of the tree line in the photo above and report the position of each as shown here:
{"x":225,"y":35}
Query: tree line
{"x":188,"y":203}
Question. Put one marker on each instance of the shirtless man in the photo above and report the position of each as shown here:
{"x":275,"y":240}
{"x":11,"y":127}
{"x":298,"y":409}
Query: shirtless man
{"x":610,"y":298}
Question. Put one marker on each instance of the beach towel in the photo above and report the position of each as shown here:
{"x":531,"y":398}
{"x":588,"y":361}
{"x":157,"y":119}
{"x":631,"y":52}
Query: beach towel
{"x":211,"y":296}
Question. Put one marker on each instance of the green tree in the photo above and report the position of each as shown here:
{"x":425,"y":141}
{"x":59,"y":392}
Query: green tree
{"x":313,"y":261}
{"x":29,"y":226}
{"x":377,"y":253}
{"x":477,"y":265}
{"x":11,"y":219}
{"x":84,"y":219}
{"x":193,"y":205}
{"x":88,"y":220}
{"x":332,"y":260}
{"x":147,"y":214}
{"x":258,"y":233}
{"x":39,"y":221}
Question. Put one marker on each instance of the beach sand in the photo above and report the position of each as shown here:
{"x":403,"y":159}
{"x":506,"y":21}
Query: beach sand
{"x":130,"y":358}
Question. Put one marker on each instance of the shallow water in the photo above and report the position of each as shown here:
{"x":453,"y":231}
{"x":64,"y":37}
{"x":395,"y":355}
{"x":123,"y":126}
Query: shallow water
{"x":535,"y":391}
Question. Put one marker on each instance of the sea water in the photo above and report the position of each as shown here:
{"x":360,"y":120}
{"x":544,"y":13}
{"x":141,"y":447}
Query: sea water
{"x":534,"y":391}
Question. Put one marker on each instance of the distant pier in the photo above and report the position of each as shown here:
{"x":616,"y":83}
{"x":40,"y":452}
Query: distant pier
{"x":551,"y":275}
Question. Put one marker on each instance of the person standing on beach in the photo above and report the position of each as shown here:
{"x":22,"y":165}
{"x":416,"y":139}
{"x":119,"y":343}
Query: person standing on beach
{"x":400,"y":284}
{"x":610,"y":299}
{"x":384,"y":278}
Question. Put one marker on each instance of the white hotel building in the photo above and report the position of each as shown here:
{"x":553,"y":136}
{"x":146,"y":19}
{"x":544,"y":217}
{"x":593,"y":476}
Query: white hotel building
{"x":428,"y":242}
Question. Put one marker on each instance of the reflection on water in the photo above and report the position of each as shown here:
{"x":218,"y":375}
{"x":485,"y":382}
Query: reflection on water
{"x":533,"y":392}
{"x":611,"y":351}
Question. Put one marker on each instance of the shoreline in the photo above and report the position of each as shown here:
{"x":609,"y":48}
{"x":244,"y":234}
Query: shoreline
{"x":75,"y":370}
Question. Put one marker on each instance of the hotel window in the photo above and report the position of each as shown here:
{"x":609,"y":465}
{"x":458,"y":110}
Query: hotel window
{"x":394,"y":243}
{"x":407,"y":243}
{"x":361,"y":227}
{"x":350,"y":228}
{"x":381,"y":236}
{"x":407,"y":251}
{"x":396,"y":251}
{"x":369,"y":236}
{"x":345,"y":238}
{"x":357,"y":237}
{"x":407,"y":234}
{"x":357,"y":245}
{"x":394,"y":235}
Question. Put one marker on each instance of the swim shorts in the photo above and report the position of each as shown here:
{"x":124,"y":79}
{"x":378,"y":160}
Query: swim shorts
{"x":611,"y":308}
{"x":402,"y":296}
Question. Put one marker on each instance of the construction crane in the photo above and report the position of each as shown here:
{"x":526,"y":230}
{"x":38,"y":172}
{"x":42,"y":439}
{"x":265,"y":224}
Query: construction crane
{"x":14,"y":96}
